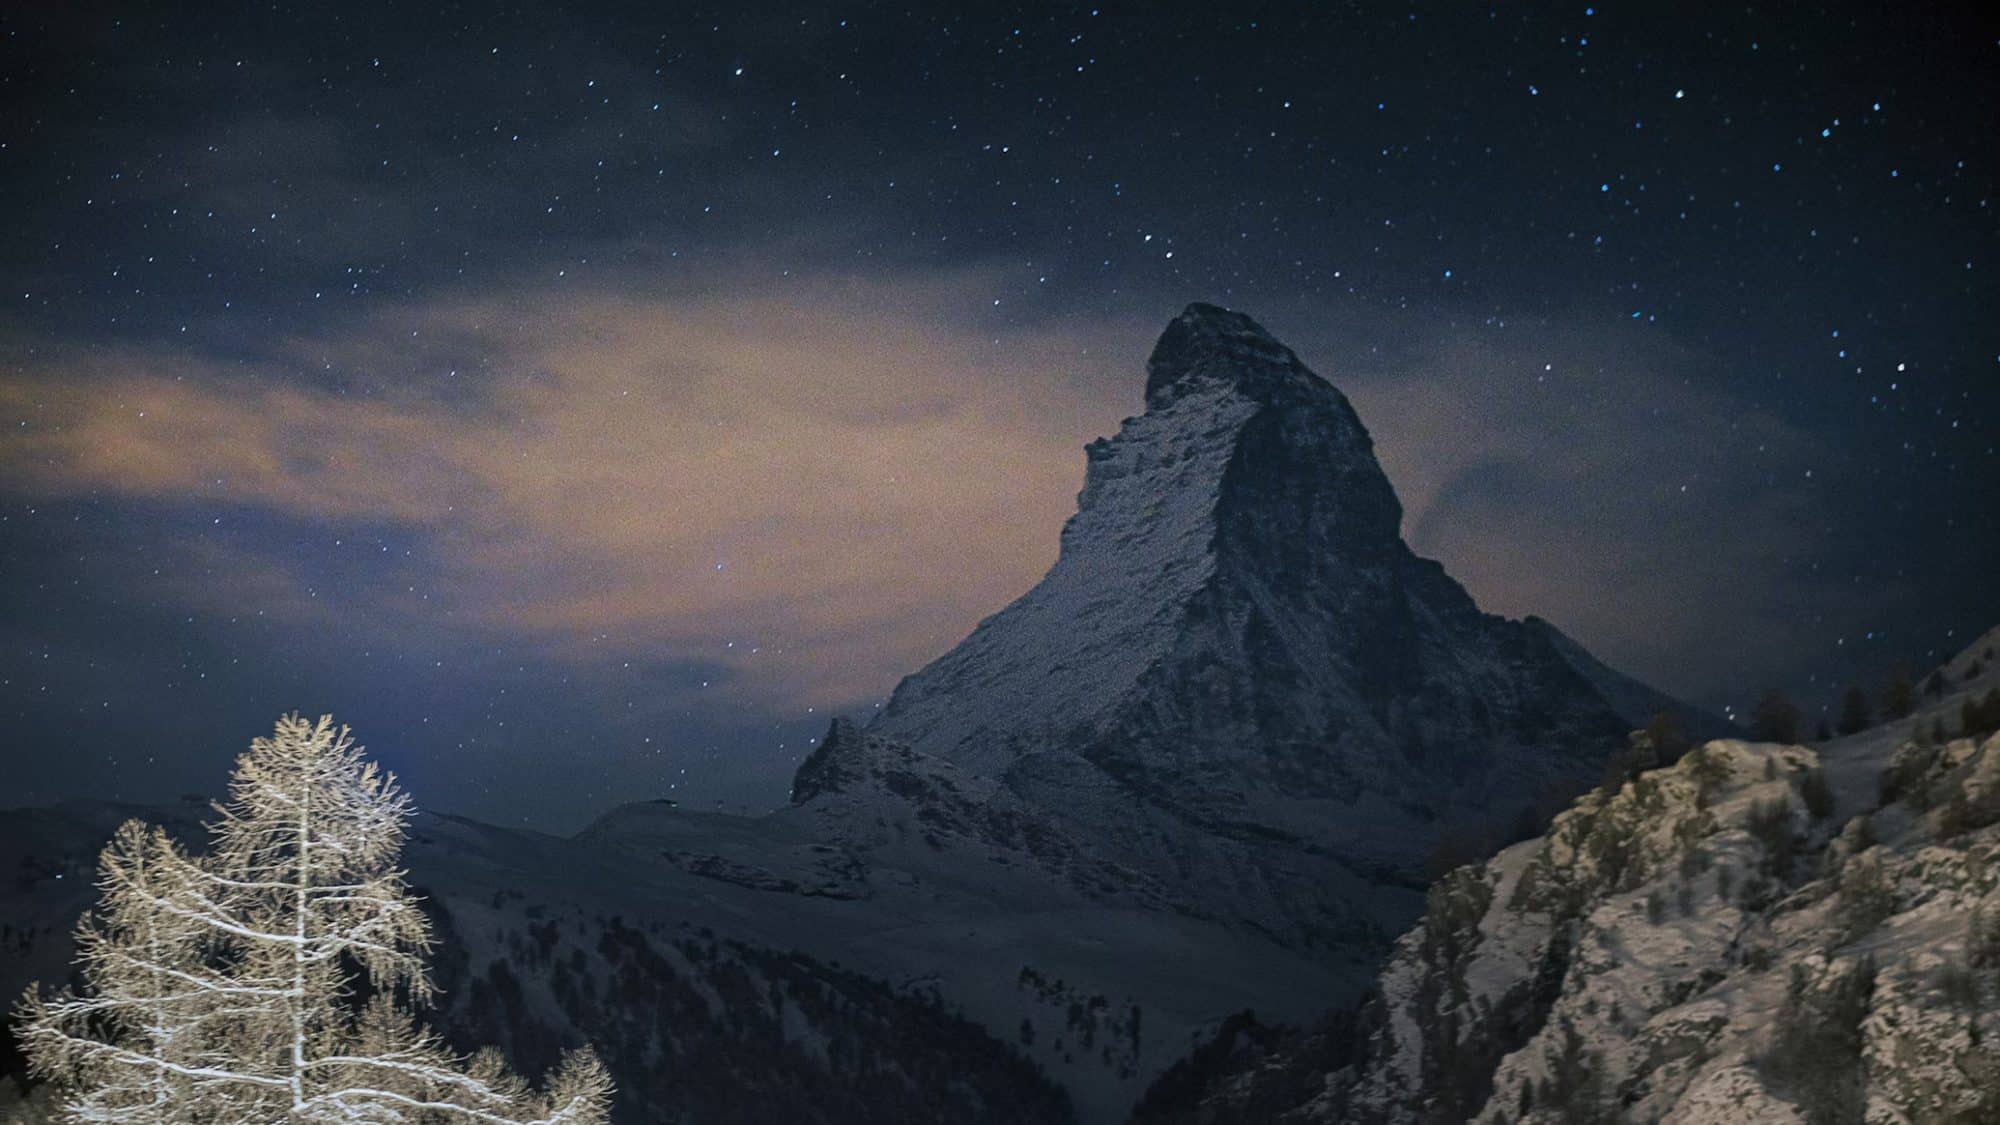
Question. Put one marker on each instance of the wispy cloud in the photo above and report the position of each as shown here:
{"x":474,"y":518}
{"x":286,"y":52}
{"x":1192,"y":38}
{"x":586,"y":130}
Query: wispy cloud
{"x":816,"y":487}
{"x":1595,"y":477}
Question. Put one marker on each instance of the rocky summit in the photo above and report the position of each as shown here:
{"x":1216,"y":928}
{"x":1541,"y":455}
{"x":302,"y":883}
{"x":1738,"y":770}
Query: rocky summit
{"x":1236,"y":639}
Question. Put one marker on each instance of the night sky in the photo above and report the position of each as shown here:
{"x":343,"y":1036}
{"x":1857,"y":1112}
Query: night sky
{"x":584,"y":405}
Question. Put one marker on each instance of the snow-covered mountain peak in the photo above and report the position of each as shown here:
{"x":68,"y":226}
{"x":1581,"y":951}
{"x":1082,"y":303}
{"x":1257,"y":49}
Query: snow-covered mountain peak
{"x":1244,"y":457}
{"x":1207,"y":342}
{"x":1235,"y":638}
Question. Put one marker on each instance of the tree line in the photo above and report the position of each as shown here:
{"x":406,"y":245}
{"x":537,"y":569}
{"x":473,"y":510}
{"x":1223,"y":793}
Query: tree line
{"x":1777,"y":719}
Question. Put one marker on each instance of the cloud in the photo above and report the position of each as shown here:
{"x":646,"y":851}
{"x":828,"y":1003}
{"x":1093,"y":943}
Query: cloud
{"x":815,"y":487}
{"x":816,"y":484}
{"x":1587,"y":475}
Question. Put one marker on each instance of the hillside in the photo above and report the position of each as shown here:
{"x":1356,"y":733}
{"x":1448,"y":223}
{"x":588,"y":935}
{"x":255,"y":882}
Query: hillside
{"x":1757,"y":932}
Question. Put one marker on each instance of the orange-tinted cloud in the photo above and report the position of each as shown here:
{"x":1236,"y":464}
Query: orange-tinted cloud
{"x":819,"y":487}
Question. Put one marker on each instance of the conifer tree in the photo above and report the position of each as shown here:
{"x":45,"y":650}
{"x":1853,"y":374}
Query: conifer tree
{"x":1776,"y":719}
{"x":223,"y":988}
{"x":1898,"y":696}
{"x":1669,"y":736}
{"x":1854,"y":715}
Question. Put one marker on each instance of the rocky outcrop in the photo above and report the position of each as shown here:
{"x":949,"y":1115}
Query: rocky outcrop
{"x":1759,"y":932}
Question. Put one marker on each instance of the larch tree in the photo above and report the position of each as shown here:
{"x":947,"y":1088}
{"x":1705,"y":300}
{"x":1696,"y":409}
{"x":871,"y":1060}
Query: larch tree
{"x":228,"y":987}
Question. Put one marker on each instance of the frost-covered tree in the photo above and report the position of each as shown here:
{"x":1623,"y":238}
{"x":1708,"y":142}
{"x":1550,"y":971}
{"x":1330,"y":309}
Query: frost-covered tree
{"x":228,"y":987}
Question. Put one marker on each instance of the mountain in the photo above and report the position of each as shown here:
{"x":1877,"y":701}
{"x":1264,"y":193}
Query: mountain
{"x":1202,"y":766}
{"x":1758,"y":932}
{"x":1236,"y":641}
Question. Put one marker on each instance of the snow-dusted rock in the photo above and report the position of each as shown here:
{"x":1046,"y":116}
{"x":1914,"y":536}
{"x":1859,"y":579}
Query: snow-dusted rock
{"x":1756,"y":933}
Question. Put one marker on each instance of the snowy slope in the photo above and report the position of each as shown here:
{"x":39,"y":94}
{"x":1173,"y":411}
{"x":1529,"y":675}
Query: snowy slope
{"x":948,"y":883}
{"x":1133,"y":555}
{"x":1757,"y":933}
{"x":1633,"y":700}
{"x":903,"y":943}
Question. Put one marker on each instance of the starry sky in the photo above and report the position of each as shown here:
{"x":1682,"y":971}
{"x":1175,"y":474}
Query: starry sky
{"x":585,"y":404}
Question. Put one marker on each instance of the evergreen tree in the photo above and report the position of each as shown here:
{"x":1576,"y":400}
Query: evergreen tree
{"x":1854,"y":714}
{"x":1669,"y":737}
{"x":1573,"y":1091}
{"x":1776,"y":719}
{"x":1817,"y":794}
{"x":1660,"y":743}
{"x":1898,"y":696}
{"x":1980,"y":716}
{"x":1817,"y":1050}
{"x":222,"y":987}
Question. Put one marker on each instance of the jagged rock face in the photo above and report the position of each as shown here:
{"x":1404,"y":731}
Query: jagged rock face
{"x":1235,"y":633}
